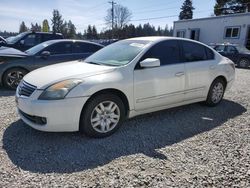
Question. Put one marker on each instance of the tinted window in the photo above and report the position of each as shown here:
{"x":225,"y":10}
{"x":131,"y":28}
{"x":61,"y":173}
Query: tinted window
{"x":219,"y":48}
{"x":167,"y":52}
{"x":81,"y":47}
{"x":230,"y":49}
{"x":60,"y":48}
{"x":210,"y":53}
{"x":193,"y":51}
{"x":47,"y":37}
{"x":30,"y":40}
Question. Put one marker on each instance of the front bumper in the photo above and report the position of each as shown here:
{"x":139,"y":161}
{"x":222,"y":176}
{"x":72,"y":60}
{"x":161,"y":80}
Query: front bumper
{"x":61,"y":115}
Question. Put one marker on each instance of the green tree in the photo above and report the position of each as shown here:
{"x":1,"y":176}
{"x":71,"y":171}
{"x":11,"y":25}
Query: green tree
{"x":35,"y":27}
{"x":45,"y":27}
{"x":57,"y":22}
{"x":94,"y":33}
{"x":71,"y":30}
{"x":89,"y":32}
{"x":186,"y":10}
{"x":224,"y":7}
{"x":23,"y":27}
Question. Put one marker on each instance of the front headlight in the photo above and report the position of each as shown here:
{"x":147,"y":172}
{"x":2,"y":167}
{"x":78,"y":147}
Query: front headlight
{"x":59,"y":90}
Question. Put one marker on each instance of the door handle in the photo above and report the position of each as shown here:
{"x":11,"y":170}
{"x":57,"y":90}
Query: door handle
{"x":179,"y":74}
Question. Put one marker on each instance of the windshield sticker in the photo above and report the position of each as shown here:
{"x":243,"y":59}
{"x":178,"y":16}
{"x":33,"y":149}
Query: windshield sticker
{"x":137,"y":45}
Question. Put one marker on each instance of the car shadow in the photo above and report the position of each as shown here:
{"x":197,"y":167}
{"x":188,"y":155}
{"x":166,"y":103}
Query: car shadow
{"x":6,"y":93}
{"x":43,"y":152}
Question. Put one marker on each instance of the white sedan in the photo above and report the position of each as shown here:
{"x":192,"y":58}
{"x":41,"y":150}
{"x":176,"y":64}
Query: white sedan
{"x":123,"y":80}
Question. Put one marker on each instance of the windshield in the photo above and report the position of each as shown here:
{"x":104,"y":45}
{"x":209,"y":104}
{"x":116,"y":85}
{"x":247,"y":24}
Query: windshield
{"x":242,"y":49}
{"x":12,"y":40}
{"x":118,"y":54}
{"x":34,"y":50}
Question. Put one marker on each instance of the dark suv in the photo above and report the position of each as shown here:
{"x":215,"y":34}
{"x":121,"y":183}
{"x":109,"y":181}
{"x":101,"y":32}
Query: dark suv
{"x":28,"y":39}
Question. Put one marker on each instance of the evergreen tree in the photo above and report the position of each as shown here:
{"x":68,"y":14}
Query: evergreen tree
{"x":94,"y":33}
{"x":223,"y":7}
{"x":89,"y":32}
{"x":71,"y":30}
{"x":57,"y":22}
{"x":23,"y":27}
{"x":186,"y":10}
{"x":45,"y":27}
{"x":35,"y":27}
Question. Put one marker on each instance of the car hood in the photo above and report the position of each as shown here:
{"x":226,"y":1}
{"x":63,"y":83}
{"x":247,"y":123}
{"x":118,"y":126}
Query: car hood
{"x":44,"y":77}
{"x":11,"y":52}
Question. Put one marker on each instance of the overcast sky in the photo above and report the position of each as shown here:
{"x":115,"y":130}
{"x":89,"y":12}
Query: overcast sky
{"x":85,"y":12}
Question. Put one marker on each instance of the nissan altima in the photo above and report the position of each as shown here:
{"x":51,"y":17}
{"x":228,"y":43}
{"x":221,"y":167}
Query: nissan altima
{"x":125,"y":79}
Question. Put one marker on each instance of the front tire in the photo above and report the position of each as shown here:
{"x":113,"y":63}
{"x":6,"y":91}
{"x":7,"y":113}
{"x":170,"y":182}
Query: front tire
{"x":216,"y":92}
{"x":243,"y":63}
{"x":102,"y":116}
{"x":12,"y":77}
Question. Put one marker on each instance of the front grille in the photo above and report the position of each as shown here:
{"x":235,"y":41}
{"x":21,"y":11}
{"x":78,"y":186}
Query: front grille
{"x":35,"y":119}
{"x":26,"y":89}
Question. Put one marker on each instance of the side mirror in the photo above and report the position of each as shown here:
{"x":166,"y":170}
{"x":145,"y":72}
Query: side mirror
{"x":21,"y":42}
{"x":150,"y":62}
{"x":45,"y":54}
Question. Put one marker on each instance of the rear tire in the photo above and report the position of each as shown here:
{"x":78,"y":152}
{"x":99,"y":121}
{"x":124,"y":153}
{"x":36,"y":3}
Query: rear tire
{"x":243,"y":63}
{"x":102,"y":116}
{"x":12,"y":77}
{"x":216,"y":92}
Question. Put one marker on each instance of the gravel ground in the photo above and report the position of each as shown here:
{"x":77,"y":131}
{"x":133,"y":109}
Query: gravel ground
{"x":190,"y":146}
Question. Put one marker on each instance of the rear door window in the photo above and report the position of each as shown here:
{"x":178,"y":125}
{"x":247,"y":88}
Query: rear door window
{"x":193,"y":51}
{"x":60,"y":48}
{"x":220,"y":48}
{"x":81,"y":47}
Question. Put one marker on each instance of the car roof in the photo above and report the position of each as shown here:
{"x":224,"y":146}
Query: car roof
{"x":40,"y":32}
{"x":70,"y":40}
{"x":156,"y":39}
{"x":161,"y":38}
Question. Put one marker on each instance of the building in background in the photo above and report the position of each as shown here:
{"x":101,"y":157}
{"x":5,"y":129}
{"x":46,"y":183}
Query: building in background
{"x":234,"y":28}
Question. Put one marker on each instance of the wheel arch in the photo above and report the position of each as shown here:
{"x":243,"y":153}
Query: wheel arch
{"x":113,"y":91}
{"x":222,"y":78}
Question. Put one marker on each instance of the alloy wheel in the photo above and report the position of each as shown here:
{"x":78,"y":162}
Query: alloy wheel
{"x":14,"y":78}
{"x":105,"y":116}
{"x":217,"y":92}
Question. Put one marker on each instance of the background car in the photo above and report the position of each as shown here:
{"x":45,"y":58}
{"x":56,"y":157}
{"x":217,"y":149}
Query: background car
{"x":28,"y":39}
{"x":14,"y":64}
{"x":124,"y":79}
{"x":240,"y":55}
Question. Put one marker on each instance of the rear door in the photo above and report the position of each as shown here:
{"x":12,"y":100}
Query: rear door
{"x":59,"y":52}
{"x":199,"y":65}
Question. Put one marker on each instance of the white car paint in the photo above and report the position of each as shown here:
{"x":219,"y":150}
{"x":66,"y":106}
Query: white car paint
{"x":147,"y":90}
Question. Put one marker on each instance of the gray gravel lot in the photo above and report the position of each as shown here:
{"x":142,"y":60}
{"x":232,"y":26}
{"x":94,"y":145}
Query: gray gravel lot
{"x":190,"y":146}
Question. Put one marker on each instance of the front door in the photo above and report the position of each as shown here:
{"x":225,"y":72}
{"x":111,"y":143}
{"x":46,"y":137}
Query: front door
{"x":59,"y":52}
{"x":160,"y":86}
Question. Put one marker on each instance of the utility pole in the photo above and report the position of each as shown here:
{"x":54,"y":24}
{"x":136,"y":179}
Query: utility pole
{"x":112,"y":14}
